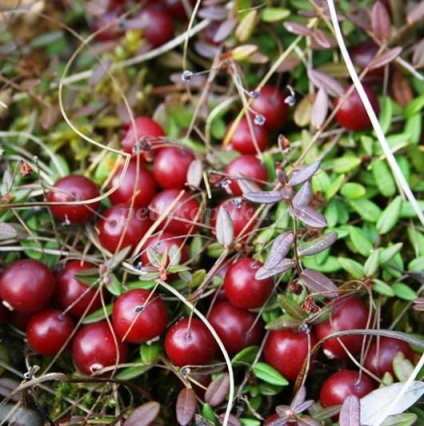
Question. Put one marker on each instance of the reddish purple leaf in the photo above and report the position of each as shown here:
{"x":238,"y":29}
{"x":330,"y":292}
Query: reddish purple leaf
{"x":280,"y":248}
{"x":303,"y":196}
{"x":7,"y":231}
{"x":296,"y":28}
{"x":195,"y":173}
{"x":205,"y":49}
{"x":144,"y":414}
{"x":224,"y":228}
{"x":282,"y":267}
{"x":232,"y":420}
{"x":319,"y":283}
{"x":380,"y":22}
{"x":318,"y":245}
{"x":217,"y":390}
{"x":263,"y":197}
{"x":307,"y":421}
{"x":415,"y":13}
{"x":360,"y":19}
{"x":324,"y":81}
{"x":388,"y":56}
{"x":298,"y":399}
{"x":321,"y":40}
{"x":418,"y":55}
{"x":214,"y":13}
{"x":350,"y":413}
{"x":304,"y":173}
{"x":224,"y":30}
{"x":186,"y":406}
{"x":319,"y":109}
{"x":309,"y":217}
{"x":247,"y":186}
{"x":282,"y":177}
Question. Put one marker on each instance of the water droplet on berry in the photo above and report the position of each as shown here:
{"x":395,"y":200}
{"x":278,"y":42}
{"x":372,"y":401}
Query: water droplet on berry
{"x":259,"y":120}
{"x":187,"y":75}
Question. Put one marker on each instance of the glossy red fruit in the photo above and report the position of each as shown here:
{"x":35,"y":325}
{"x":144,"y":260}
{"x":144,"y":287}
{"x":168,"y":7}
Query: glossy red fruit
{"x":48,"y":331}
{"x":342,"y":384}
{"x":349,"y":313}
{"x":96,"y":346}
{"x":138,"y":316}
{"x":245,"y":166}
{"x":241,"y":287}
{"x":157,"y":25}
{"x":271,"y":104}
{"x":362,"y":54}
{"x":352,"y":114}
{"x":189,"y":342}
{"x":164,"y":241}
{"x":176,"y":9}
{"x":26,"y":286}
{"x":72,"y":295}
{"x":184,"y":217}
{"x":243,"y":140}
{"x":121,"y":226}
{"x":241,"y":213}
{"x":237,"y":328}
{"x":144,"y":127}
{"x":170,"y":167}
{"x":286,"y":351}
{"x":379,"y":358}
{"x":73,"y":188}
{"x":136,"y":187}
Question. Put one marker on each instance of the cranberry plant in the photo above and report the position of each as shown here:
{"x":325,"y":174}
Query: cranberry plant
{"x":210,"y":212}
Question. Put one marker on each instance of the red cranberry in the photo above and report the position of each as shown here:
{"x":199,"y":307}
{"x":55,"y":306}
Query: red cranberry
{"x":158,"y":27}
{"x":242,"y":139}
{"x":73,"y":188}
{"x":176,"y":9}
{"x":362,"y":54}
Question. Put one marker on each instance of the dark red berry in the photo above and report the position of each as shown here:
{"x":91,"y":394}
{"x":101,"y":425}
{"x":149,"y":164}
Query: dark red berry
{"x":176,"y":8}
{"x":74,"y":188}
{"x":157,"y":26}
{"x":189,"y":342}
{"x":96,"y":346}
{"x":136,"y":187}
{"x":272,"y":105}
{"x":120,"y":226}
{"x":379,"y":358}
{"x":362,"y":54}
{"x":287,"y":350}
{"x":236,"y":327}
{"x":352,"y":114}
{"x":349,"y":313}
{"x":138,"y":316}
{"x":243,"y":141}
{"x":72,"y":295}
{"x":27,"y":286}
{"x":49,"y":331}
{"x":170,"y":167}
{"x":241,"y":287}
{"x":184,"y":216}
{"x":247,"y":167}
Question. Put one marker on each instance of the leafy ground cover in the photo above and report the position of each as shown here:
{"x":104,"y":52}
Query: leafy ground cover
{"x":211,"y":212}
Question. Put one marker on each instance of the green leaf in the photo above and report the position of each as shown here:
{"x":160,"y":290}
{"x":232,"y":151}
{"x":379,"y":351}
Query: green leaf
{"x":390,"y":216}
{"x":332,"y":264}
{"x":114,"y":286}
{"x":413,"y":127}
{"x":335,"y":186}
{"x":404,"y":292}
{"x":149,"y":352}
{"x":404,"y":419}
{"x":249,"y":422}
{"x":382,"y":288}
{"x":98,"y":315}
{"x":389,"y":253}
{"x":386,"y":114}
{"x":209,"y":414}
{"x":383,"y":178}
{"x":366,"y":209}
{"x":402,"y":367}
{"x":246,"y":355}
{"x":372,"y":263}
{"x":346,"y":164}
{"x":353,"y":190}
{"x":414,"y":107}
{"x":354,"y":268}
{"x":416,"y":264}
{"x":129,"y":373}
{"x":360,"y":241}
{"x":274,"y":14}
{"x":290,"y":307}
{"x":269,"y":374}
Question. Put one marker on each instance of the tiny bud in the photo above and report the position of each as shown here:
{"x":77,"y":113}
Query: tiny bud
{"x":259,"y":120}
{"x":185,"y":371}
{"x":290,"y":100}
{"x":122,"y":25}
{"x":225,"y":183}
{"x":139,"y":309}
{"x":254,"y":94}
{"x":187,"y":75}
{"x":237,"y":202}
{"x":25,"y":169}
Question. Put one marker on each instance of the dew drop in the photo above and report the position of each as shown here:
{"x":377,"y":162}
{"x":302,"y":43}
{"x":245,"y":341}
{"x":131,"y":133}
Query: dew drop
{"x":254,"y":94}
{"x":139,"y":309}
{"x":187,"y":75}
{"x":225,"y":183}
{"x":259,"y":120}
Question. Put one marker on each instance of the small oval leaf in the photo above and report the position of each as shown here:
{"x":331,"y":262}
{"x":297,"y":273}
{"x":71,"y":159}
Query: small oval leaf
{"x":217,"y":390}
{"x":318,"y":245}
{"x":309,"y":217}
{"x":304,"y":173}
{"x":319,"y":109}
{"x":388,"y":56}
{"x":279,"y":249}
{"x":144,"y":414}
{"x":282,"y":267}
{"x":319,"y":283}
{"x":329,"y":84}
{"x":350,"y":412}
{"x":195,"y":173}
{"x":263,"y":197}
{"x":186,"y":406}
{"x":224,"y":228}
{"x":303,"y":196}
{"x":380,"y":22}
{"x":269,"y":374}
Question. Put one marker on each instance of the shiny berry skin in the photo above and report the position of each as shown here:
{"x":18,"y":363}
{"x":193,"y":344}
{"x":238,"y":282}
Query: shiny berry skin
{"x":236,"y":327}
{"x":352,"y":114}
{"x":189,"y":342}
{"x":72,"y":295}
{"x":286,"y":351}
{"x":170,"y":167}
{"x":157,"y":26}
{"x":184,"y":217}
{"x":144,"y":126}
{"x":241,"y":287}
{"x":349,"y":313}
{"x":164,"y":241}
{"x":27,"y":286}
{"x":138,"y":187}
{"x":74,"y":188}
{"x":379,"y":358}
{"x":242,"y":140}
{"x":121,"y":226}
{"x":362,"y":54}
{"x":271,"y":104}
{"x":48,"y":331}
{"x":95,"y":346}
{"x":245,"y":166}
{"x":241,"y":213}
{"x":176,"y":9}
{"x":139,"y":316}
{"x":342,"y":384}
